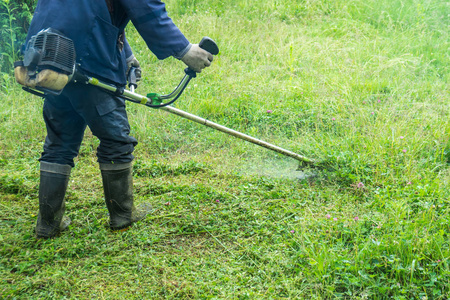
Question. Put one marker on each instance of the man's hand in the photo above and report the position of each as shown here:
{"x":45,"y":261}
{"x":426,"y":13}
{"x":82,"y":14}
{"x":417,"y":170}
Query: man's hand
{"x":197,"y":59}
{"x":133,"y":62}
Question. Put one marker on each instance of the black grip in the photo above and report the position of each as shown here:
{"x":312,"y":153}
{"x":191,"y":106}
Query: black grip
{"x":209,"y":45}
{"x":132,"y":79}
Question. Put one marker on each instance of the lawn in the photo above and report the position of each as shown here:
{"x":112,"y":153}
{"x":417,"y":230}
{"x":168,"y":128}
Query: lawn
{"x":362,"y":86}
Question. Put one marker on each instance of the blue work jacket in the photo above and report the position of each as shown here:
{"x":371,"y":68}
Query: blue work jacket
{"x":95,"y":31}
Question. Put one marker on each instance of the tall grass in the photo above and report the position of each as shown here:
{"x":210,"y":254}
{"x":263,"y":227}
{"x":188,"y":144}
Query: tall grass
{"x":15,"y":18}
{"x":362,"y":85}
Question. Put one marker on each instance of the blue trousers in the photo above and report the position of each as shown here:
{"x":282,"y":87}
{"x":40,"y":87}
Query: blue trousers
{"x":79,"y":105}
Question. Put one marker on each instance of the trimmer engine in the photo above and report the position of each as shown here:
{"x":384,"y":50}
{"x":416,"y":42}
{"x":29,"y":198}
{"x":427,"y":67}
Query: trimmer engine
{"x":49,"y":62}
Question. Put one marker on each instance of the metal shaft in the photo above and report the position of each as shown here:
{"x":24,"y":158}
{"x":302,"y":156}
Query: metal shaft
{"x":235,"y":133}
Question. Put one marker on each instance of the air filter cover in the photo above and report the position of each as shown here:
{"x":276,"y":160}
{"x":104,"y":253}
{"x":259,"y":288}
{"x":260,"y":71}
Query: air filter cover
{"x":50,"y":49}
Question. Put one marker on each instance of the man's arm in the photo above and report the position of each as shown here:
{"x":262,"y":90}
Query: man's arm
{"x":157,"y":29}
{"x":162,"y":36}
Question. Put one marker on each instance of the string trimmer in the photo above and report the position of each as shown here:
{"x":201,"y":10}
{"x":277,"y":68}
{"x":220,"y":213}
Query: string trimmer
{"x":49,"y":64}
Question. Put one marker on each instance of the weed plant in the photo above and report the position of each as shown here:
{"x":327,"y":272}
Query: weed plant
{"x":362,"y":85}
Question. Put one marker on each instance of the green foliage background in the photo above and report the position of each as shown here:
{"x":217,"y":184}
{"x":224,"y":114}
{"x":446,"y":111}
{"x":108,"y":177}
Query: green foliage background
{"x":15,"y":17}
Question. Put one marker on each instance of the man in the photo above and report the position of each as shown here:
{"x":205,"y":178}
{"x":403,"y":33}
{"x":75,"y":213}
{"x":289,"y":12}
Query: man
{"x":97,"y":30}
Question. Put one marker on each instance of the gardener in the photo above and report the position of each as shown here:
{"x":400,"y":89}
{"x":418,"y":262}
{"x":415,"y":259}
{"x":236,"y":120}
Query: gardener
{"x":97,"y":30}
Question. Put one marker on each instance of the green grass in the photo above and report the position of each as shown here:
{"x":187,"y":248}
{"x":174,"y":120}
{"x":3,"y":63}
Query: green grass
{"x":362,"y":85}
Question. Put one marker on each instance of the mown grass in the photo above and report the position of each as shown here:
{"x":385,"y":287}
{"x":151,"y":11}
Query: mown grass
{"x":360,"y":85}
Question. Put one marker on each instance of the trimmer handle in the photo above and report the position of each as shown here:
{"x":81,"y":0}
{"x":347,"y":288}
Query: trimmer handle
{"x":132,"y":79}
{"x":207,"y":44}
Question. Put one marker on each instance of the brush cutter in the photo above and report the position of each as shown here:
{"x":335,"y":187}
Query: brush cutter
{"x":49,"y":64}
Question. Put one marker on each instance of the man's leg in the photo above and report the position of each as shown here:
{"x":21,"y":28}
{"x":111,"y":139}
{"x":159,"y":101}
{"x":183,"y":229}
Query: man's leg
{"x":118,"y":189}
{"x":107,"y":119}
{"x":52,"y":188}
{"x":64,"y":134}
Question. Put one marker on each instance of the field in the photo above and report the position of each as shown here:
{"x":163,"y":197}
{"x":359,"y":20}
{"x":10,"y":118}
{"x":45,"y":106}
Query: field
{"x":362,"y":86}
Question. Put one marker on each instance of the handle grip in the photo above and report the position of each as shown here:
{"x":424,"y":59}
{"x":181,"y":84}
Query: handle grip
{"x":209,"y":45}
{"x":132,"y":79}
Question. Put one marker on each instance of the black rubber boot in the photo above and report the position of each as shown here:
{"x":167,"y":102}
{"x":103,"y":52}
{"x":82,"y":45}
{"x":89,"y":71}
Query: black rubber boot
{"x":118,"y":188}
{"x":52,"y":189}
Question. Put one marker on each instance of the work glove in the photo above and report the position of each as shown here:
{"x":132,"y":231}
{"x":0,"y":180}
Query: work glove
{"x":197,"y":59}
{"x":133,"y":62}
